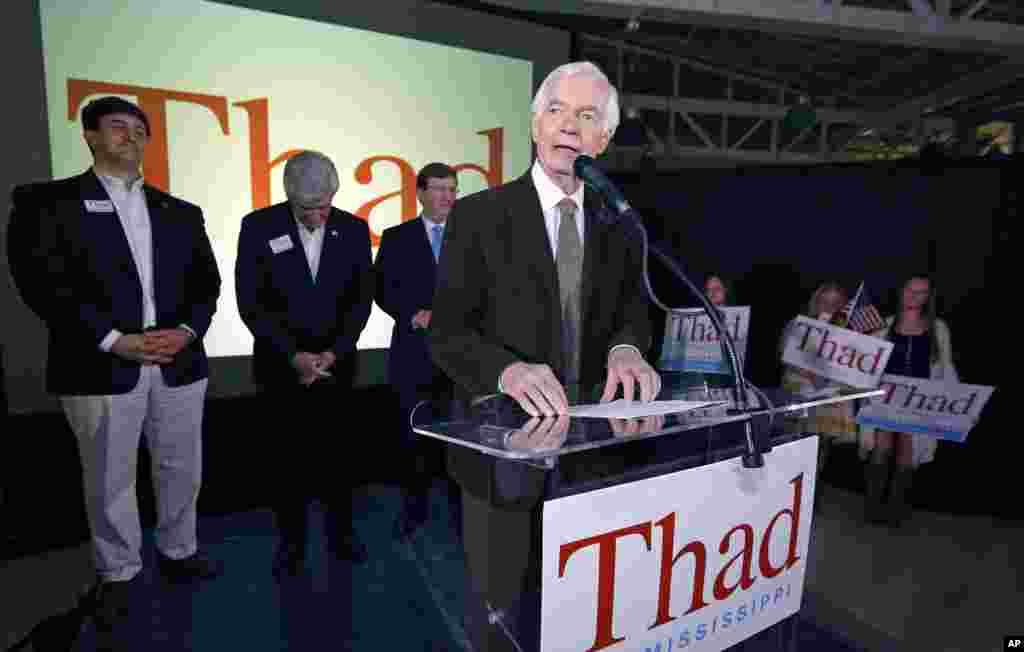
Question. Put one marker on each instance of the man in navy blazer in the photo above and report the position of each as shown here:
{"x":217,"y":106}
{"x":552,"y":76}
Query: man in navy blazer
{"x":406,"y":270}
{"x":304,"y":283}
{"x":125,"y":279}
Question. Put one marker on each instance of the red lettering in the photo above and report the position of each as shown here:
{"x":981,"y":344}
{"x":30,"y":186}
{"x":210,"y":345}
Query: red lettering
{"x":260,"y":164}
{"x":407,"y":191}
{"x":847,"y":357}
{"x":722,"y":591}
{"x":603,"y":636}
{"x":825,"y":340}
{"x":494,"y":174}
{"x":153,"y":102}
{"x":767,"y":570}
{"x":807,"y":334}
{"x":874,"y":368}
{"x":890,"y":391}
{"x":937,"y":403}
{"x":968,"y":405}
{"x":696,"y":548}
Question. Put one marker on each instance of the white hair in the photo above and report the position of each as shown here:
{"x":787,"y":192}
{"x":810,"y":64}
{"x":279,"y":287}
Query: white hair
{"x":610,"y":113}
{"x":308,"y":176}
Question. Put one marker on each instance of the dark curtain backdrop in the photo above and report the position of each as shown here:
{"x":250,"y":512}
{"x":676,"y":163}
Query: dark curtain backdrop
{"x":778,"y":232}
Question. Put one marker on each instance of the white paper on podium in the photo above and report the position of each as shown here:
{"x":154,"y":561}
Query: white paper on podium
{"x":623,"y":409}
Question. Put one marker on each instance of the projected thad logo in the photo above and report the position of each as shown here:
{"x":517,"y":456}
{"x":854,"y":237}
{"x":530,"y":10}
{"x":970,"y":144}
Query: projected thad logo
{"x":153,"y":101}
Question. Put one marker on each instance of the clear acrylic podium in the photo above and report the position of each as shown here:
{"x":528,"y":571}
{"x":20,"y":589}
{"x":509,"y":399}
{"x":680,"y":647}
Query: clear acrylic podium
{"x":507,"y":465}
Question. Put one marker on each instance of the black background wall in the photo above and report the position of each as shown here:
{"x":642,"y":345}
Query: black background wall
{"x":778,"y":232}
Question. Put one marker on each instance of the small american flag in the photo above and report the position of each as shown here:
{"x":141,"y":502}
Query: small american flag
{"x":863,"y":316}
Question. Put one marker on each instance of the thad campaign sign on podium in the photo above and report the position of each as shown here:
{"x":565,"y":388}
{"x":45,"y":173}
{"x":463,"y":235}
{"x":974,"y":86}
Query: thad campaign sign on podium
{"x":710,"y":555}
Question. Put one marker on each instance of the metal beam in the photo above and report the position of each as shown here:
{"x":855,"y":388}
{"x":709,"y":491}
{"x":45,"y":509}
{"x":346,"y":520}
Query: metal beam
{"x":799,"y":138}
{"x":725,"y":116}
{"x":743,"y":155}
{"x":745,"y":109}
{"x":730,"y":67}
{"x":697,"y":129}
{"x":690,"y":156}
{"x":971,"y":86}
{"x":685,"y":61}
{"x":750,"y":132}
{"x":974,"y":9}
{"x":846,"y":22}
{"x":882,"y":75}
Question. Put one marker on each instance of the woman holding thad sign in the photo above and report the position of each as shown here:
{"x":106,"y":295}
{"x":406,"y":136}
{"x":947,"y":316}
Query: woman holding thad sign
{"x":921,"y":349}
{"x":829,"y":421}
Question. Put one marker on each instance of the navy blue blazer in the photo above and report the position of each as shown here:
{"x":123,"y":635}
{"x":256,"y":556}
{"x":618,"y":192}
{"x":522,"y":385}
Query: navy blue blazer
{"x":75,"y":270}
{"x":284,"y":308}
{"x":406,"y":276}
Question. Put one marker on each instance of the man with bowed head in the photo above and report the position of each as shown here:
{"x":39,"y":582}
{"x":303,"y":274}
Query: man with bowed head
{"x":304,"y":284}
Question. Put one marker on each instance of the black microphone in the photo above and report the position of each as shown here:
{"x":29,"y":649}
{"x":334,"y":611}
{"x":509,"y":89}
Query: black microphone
{"x":586,"y":169}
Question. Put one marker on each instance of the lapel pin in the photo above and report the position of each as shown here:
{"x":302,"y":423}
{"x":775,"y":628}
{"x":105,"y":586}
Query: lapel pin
{"x":334,"y":234}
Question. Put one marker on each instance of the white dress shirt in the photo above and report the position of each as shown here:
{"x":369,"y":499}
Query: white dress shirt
{"x":130,"y":202}
{"x":550,"y":195}
{"x":312,"y":244}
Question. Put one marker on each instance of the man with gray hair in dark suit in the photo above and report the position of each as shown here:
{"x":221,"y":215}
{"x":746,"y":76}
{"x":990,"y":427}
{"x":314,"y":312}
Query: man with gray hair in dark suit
{"x":304,"y":284}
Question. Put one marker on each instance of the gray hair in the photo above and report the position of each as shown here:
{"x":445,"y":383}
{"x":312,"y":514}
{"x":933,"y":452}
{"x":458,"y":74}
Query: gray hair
{"x":308,"y":176}
{"x":610,"y":113}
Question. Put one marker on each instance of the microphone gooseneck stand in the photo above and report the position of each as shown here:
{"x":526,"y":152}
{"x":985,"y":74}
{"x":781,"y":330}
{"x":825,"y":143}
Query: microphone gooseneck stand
{"x":586,"y":169}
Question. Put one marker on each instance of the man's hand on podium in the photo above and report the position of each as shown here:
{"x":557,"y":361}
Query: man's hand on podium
{"x":535,"y":388}
{"x":628,"y":368}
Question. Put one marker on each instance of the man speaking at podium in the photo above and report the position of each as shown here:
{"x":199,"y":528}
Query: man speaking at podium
{"x":535,"y":291}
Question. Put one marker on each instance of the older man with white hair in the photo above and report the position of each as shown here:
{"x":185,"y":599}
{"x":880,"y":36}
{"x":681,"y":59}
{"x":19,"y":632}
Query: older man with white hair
{"x":304,"y":284}
{"x":535,"y":292}
{"x":537,"y":295}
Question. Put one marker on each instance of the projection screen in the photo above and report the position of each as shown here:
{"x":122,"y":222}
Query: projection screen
{"x":231,"y":91}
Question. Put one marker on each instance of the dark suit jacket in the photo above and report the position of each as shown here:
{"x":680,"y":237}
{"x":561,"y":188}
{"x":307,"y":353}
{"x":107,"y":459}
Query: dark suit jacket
{"x":285,"y":310}
{"x":75,"y":270}
{"x":406,"y":274}
{"x":497,"y":299}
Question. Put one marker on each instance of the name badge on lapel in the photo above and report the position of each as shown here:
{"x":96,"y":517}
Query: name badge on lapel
{"x":99,"y":206}
{"x":282,"y":243}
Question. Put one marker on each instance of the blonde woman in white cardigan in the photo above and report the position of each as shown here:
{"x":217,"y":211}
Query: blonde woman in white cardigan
{"x":833,"y":422}
{"x":921,"y":349}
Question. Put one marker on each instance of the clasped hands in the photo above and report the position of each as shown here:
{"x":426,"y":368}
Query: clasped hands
{"x":152,"y":347}
{"x":421,"y":320}
{"x":539,"y":393}
{"x":311,"y":367}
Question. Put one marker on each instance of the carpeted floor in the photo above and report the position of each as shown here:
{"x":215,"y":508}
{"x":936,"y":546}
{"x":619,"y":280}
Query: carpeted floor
{"x":408,"y":596}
